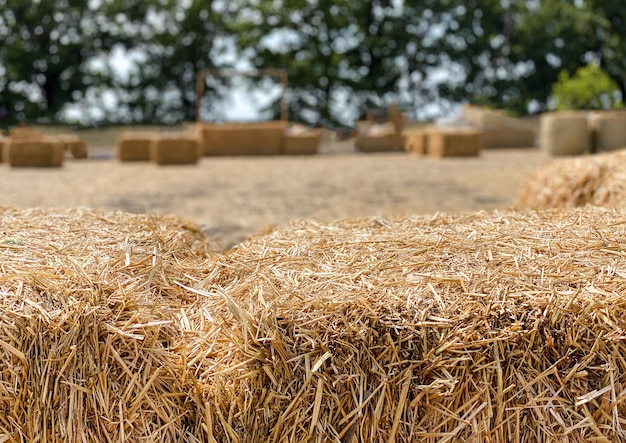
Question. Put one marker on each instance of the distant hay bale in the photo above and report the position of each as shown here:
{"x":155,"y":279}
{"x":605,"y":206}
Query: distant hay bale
{"x":454,"y":142}
{"x":4,"y":141}
{"x":507,"y":138}
{"x":301,"y":141}
{"x":494,"y":326}
{"x":76,"y":147}
{"x":598,"y":179}
{"x":485,"y":118}
{"x":565,"y":133}
{"x":415,"y":141}
{"x":262,"y":138}
{"x":25,"y":133}
{"x":175,"y":149}
{"x":47,"y":152}
{"x":92,"y":338}
{"x":134,"y":146}
{"x":377,"y":137}
{"x":609,"y":131}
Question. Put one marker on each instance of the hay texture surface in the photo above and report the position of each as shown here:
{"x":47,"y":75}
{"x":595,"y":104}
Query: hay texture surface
{"x":598,"y":180}
{"x":91,"y":335}
{"x":492,"y":326}
{"x":498,"y":326}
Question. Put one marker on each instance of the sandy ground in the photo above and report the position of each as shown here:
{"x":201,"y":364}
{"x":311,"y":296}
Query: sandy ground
{"x":233,"y":197}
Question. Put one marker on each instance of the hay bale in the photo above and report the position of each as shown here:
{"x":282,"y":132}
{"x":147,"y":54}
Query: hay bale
{"x":598,"y":180}
{"x":92,"y":338}
{"x":134,"y":146}
{"x":175,"y":149}
{"x":23,"y":132}
{"x":415,"y":141}
{"x":72,"y":143}
{"x":609,"y":131}
{"x":4,"y":141}
{"x":493,"y":326}
{"x":375,"y":137}
{"x":47,"y":152}
{"x":301,"y":141}
{"x":485,"y":118}
{"x":507,"y":138}
{"x":263,"y":138}
{"x":454,"y":142}
{"x":565,"y":133}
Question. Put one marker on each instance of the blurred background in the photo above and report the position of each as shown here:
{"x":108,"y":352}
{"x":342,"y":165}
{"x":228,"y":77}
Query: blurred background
{"x":102,"y":62}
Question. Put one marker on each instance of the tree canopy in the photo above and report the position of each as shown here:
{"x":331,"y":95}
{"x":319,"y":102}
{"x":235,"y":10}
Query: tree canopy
{"x":135,"y":61}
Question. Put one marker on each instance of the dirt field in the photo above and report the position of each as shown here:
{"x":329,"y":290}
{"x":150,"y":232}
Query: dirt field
{"x":233,"y":197}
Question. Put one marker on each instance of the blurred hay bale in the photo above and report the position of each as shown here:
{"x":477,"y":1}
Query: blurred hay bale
{"x":263,"y":138}
{"x":175,"y":149}
{"x":23,"y":132}
{"x":300,"y":140}
{"x":499,"y":130}
{"x":493,"y":326}
{"x":565,"y":133}
{"x":609,"y":131}
{"x":134,"y":146}
{"x":377,"y":137}
{"x":454,"y":142}
{"x":415,"y":141}
{"x":72,"y":143}
{"x":47,"y":152}
{"x":507,"y":138}
{"x":598,"y":180}
{"x":92,"y":334}
{"x":4,"y":141}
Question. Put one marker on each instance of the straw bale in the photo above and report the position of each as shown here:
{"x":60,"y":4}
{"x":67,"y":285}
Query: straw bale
{"x":454,"y":142}
{"x":485,"y":118}
{"x":374,"y":137}
{"x":415,"y":141}
{"x":598,"y":179}
{"x":73,"y":143}
{"x":301,"y":141}
{"x":4,"y":141}
{"x":609,"y":131}
{"x":565,"y":133}
{"x":262,"y":138}
{"x":47,"y":152}
{"x":493,"y":326}
{"x":92,"y":329}
{"x":175,"y":149}
{"x":134,"y":146}
{"x":507,"y":138}
{"x":25,"y":133}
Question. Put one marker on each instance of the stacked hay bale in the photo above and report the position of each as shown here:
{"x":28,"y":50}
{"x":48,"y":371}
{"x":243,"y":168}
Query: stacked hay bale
{"x":73,"y":144}
{"x":454,"y":142}
{"x":175,"y":149}
{"x":497,"y":326}
{"x":565,"y":133}
{"x":92,"y":327}
{"x":28,"y":147}
{"x":134,"y":146}
{"x":598,"y":180}
{"x":377,"y":137}
{"x":415,"y":141}
{"x":4,"y":141}
{"x":300,"y":140}
{"x":499,"y":130}
{"x":263,"y":138}
{"x":608,"y":131}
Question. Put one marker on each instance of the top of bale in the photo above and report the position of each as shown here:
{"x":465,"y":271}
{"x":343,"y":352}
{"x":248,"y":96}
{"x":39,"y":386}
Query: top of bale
{"x":493,"y":326}
{"x":598,"y":179}
{"x":91,"y":333}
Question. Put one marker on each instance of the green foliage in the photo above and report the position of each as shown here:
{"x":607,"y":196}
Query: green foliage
{"x":589,"y":88}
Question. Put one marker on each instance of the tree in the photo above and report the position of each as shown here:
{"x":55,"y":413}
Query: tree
{"x":589,"y":88}
{"x":342,"y":56}
{"x":44,"y":55}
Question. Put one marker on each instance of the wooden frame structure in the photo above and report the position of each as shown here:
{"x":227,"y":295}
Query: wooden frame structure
{"x":279,"y":73}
